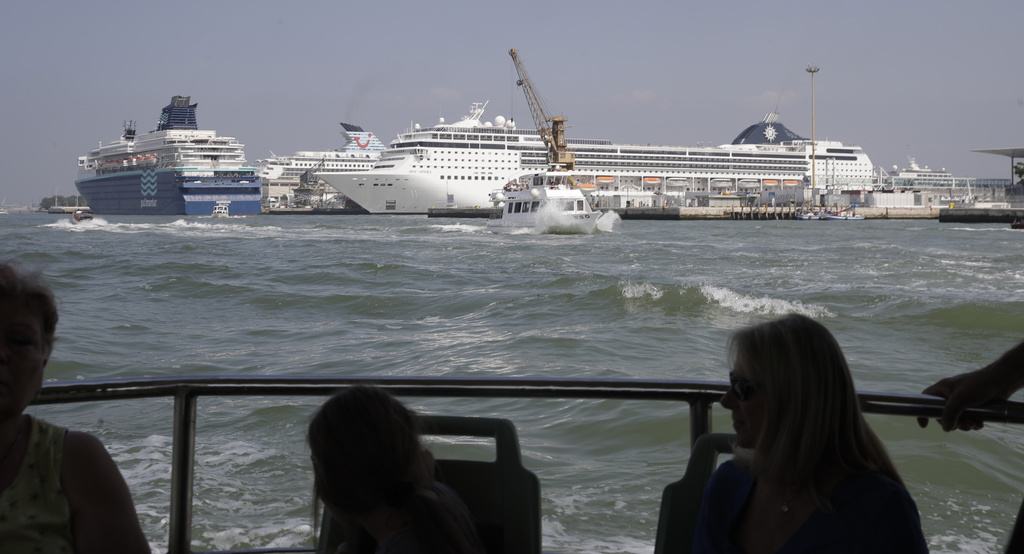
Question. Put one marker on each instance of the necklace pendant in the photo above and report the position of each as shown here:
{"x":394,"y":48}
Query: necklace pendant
{"x":785,"y":507}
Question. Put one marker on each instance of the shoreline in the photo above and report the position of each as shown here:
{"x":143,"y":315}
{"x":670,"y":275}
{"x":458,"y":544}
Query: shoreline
{"x":743,"y":213}
{"x":762,"y":213}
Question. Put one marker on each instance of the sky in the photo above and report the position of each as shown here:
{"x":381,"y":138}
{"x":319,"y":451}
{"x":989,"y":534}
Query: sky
{"x":930,"y":80}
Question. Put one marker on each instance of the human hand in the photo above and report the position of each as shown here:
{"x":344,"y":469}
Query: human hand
{"x":967,"y":390}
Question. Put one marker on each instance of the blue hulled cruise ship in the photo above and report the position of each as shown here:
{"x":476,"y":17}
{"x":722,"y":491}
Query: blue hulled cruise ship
{"x":176,"y":169}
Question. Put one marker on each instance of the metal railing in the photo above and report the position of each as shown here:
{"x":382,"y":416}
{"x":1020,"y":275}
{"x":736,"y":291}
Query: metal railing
{"x":700,"y":395}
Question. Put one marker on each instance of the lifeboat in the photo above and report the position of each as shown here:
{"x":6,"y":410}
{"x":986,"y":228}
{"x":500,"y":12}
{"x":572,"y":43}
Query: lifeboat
{"x":721,"y":183}
{"x":586,"y":186}
{"x":791,"y":182}
{"x":606,"y":179}
{"x":652,"y":180}
{"x":770,"y":182}
{"x":749,"y":183}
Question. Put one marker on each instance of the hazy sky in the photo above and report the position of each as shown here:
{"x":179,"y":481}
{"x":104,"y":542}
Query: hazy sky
{"x":928,"y":79}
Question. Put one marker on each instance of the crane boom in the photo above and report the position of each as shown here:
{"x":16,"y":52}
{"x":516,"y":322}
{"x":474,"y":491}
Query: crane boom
{"x":553,"y":135}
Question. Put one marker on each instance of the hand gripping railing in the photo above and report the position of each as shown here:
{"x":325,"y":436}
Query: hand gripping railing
{"x":186,"y":390}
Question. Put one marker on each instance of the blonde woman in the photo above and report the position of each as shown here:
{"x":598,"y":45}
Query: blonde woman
{"x":809,"y":474}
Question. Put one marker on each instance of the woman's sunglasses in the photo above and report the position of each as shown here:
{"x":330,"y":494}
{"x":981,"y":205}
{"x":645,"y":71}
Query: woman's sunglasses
{"x":741,"y":386}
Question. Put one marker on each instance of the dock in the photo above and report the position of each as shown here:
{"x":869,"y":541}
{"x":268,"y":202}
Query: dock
{"x":477,"y":212}
{"x":315,"y":211}
{"x":739,"y":213}
{"x":980,"y":215}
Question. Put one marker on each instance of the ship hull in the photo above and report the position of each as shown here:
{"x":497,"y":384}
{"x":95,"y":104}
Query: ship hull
{"x":402,"y":194}
{"x":169,"y":191}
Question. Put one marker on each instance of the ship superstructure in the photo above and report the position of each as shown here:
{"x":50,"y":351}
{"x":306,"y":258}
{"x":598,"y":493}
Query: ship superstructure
{"x":359,"y":153}
{"x":176,"y":169}
{"x":294,"y":177}
{"x":458,"y":164}
{"x":837,"y":165}
{"x":915,"y":176}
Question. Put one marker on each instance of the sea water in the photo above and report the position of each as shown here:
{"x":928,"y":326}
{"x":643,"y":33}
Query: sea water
{"x":910,"y":301}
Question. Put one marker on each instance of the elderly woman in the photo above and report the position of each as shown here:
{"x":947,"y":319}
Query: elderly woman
{"x":809,"y":475}
{"x":60,"y":491}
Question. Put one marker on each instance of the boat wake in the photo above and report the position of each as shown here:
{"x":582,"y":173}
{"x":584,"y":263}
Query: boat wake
{"x":607,"y":222}
{"x":551,"y":220}
{"x":459,"y":228}
{"x":84,"y":225}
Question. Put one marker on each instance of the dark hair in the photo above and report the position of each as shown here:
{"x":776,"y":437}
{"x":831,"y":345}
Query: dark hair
{"x":28,"y":287}
{"x":364,"y":444}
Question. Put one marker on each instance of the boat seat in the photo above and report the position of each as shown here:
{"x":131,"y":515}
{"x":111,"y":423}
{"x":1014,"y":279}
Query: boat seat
{"x":681,"y":500}
{"x":503,"y":496}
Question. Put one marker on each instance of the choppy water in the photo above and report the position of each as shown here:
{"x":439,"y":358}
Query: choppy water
{"x":910,"y":301}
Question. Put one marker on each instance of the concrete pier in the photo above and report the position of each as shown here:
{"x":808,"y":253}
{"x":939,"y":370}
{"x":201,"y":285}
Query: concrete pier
{"x":477,"y":212}
{"x":315,"y":211}
{"x":676,"y":213}
{"x":980,"y":215}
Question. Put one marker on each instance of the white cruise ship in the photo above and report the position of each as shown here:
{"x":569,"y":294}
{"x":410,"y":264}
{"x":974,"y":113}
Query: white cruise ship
{"x":459,"y":164}
{"x":916,"y":176}
{"x":360,"y":152}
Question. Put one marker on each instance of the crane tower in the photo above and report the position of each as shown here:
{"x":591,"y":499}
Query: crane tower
{"x":551,"y":129}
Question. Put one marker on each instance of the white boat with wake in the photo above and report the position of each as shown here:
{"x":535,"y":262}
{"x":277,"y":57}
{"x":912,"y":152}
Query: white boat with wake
{"x":548,"y":202}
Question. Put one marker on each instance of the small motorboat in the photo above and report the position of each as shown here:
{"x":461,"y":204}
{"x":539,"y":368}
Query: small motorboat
{"x":1017,"y":224}
{"x":220,"y":209}
{"x":842,"y":215}
{"x":79,"y":216}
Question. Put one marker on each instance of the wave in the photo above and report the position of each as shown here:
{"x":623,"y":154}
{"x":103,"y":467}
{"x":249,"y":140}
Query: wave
{"x":764,"y":305}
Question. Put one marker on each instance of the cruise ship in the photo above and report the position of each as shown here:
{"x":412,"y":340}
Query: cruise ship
{"x":176,"y":169}
{"x":291,"y":178}
{"x":360,"y":152}
{"x":459,"y":164}
{"x":916,"y":176}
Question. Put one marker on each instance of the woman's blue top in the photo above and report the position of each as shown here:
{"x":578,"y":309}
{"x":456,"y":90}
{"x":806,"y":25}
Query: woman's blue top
{"x":872,"y":514}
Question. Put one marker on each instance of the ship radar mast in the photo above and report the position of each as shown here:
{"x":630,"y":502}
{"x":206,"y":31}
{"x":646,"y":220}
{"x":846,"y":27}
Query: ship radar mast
{"x":129,"y":130}
{"x":553,"y":135}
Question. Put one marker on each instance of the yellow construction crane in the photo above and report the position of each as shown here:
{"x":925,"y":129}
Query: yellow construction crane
{"x":553,"y":135}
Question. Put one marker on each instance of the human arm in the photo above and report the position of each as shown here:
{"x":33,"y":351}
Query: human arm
{"x":996,"y":381}
{"x":103,"y":517}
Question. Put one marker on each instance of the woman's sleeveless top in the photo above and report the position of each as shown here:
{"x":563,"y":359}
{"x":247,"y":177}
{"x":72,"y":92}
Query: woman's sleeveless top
{"x":34,"y":512}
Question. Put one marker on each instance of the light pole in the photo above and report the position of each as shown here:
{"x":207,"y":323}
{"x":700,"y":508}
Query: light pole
{"x":814,"y":158}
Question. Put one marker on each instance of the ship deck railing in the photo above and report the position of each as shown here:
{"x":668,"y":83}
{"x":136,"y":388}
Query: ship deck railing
{"x":186,"y":391}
